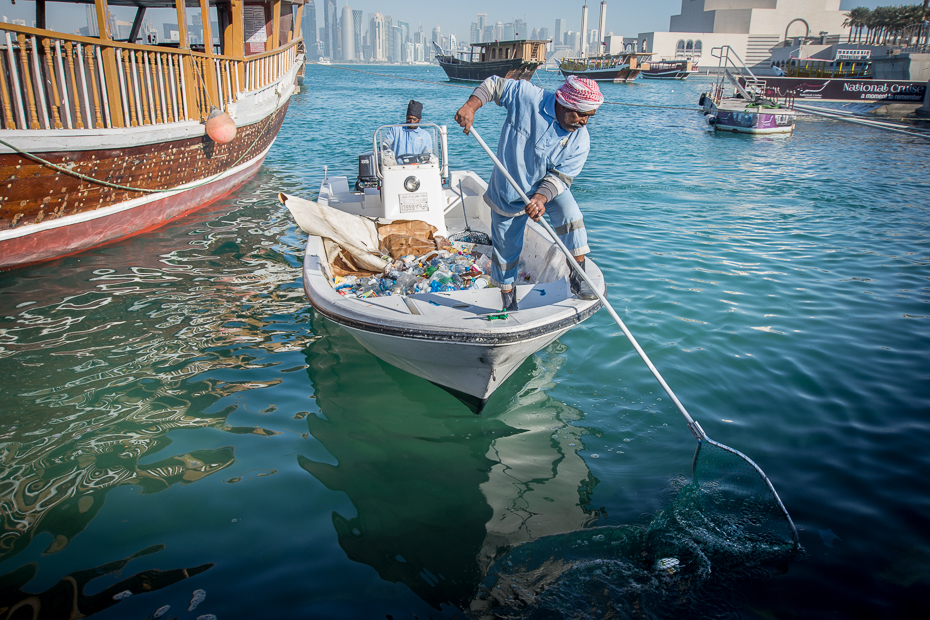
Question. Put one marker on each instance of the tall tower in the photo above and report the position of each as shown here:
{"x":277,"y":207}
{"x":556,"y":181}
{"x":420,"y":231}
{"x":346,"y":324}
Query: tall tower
{"x":357,"y":29}
{"x":329,"y":28}
{"x":584,"y":29}
{"x":601,"y":26}
{"x":376,"y":37}
{"x":348,"y":33}
{"x":561,"y":27}
{"x":309,"y":31}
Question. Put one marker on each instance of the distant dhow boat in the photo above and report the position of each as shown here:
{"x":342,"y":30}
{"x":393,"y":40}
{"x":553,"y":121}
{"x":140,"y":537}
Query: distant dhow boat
{"x":678,"y":69}
{"x":516,"y":60}
{"x":457,"y":339}
{"x":102,"y":139}
{"x":621,"y":67}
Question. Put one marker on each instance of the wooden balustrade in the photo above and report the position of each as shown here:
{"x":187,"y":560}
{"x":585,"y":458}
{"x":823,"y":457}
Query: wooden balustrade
{"x":72,"y":82}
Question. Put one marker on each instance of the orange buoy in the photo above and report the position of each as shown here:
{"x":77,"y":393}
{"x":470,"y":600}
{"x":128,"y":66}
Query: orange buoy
{"x":220,"y":127}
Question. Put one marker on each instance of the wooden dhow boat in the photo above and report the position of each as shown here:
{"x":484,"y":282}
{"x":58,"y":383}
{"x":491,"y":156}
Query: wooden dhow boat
{"x":457,"y":339}
{"x":101,"y":139}
{"x":622,"y":67}
{"x":678,"y":69}
{"x":516,"y":60}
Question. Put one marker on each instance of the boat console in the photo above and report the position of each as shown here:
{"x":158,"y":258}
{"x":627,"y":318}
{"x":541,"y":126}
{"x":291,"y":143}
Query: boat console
{"x":397,"y":185}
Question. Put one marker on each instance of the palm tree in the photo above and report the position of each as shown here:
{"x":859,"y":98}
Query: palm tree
{"x":856,"y":19}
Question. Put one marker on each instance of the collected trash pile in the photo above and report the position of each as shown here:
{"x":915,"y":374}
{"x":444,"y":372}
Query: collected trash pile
{"x":460,"y":268}
{"x":366,"y":258}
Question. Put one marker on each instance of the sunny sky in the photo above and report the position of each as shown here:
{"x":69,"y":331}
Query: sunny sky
{"x":624,"y":17}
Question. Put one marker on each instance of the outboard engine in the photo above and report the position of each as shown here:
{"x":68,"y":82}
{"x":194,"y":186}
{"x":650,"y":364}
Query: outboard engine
{"x":367,"y":176}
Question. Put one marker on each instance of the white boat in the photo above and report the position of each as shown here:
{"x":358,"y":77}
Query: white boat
{"x":459,"y":340}
{"x":748,"y":109}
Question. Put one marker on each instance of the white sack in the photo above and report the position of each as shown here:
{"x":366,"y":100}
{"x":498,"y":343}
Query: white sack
{"x":358,"y":235}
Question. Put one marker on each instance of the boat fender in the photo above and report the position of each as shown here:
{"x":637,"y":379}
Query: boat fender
{"x":220,"y":127}
{"x":711,"y":119}
{"x":701,"y":100}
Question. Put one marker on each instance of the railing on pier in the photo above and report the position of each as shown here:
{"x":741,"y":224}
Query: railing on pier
{"x":57,"y":81}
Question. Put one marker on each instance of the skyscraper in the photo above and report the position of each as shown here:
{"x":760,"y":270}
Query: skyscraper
{"x":329,"y":28}
{"x":561,"y":26}
{"x":481,"y":24}
{"x":601,"y":25}
{"x":376,"y":37}
{"x":348,"y":33}
{"x":357,"y":29}
{"x":309,"y":31}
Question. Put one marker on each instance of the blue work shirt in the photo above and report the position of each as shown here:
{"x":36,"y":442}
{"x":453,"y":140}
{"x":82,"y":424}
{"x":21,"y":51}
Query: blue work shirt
{"x":533,"y":146}
{"x":406,"y":141}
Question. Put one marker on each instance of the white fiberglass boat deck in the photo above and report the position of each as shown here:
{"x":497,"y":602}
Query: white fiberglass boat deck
{"x":458,"y":339}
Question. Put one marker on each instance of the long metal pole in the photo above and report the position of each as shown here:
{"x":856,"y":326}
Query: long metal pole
{"x":694,"y":426}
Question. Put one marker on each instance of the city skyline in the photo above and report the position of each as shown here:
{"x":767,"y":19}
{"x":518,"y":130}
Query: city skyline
{"x":623,"y":18}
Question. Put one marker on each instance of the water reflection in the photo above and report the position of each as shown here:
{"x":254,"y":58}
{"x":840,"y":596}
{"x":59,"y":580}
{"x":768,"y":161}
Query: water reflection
{"x":69,"y":597}
{"x":440,"y":493}
{"x":104,"y":365}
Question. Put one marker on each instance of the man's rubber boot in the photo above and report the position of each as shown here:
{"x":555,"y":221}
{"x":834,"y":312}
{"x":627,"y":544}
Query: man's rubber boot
{"x":509,"y":299}
{"x":580,"y":288}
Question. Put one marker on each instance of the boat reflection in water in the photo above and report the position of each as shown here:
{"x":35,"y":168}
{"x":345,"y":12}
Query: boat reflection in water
{"x":491,"y":514}
{"x":439,"y":492}
{"x":65,"y":444}
{"x":68,"y":597}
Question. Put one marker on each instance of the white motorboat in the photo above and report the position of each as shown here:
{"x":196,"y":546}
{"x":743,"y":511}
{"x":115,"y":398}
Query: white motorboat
{"x":457,"y":339}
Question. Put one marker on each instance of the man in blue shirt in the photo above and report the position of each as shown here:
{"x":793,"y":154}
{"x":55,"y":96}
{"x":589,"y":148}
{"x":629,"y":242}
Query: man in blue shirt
{"x":410,"y":139}
{"x":544,"y":145}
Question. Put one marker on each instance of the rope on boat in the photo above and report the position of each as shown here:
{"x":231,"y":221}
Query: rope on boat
{"x":910,"y":131}
{"x":397,"y":77}
{"x":84,"y":177}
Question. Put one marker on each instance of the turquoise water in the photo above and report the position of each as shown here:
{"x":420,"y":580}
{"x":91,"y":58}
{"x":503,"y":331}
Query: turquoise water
{"x":176,"y":418}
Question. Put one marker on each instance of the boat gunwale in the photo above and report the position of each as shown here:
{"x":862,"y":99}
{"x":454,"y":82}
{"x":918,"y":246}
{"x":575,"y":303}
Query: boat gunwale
{"x":579,"y":312}
{"x":483,"y":338}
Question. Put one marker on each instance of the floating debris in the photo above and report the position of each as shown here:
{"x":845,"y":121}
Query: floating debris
{"x":122,"y":595}
{"x":206,"y":617}
{"x":197,"y":599}
{"x":669,"y":565}
{"x":161,"y":611}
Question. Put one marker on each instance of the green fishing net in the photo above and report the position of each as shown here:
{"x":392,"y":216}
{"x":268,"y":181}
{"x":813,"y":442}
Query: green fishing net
{"x":724,"y":524}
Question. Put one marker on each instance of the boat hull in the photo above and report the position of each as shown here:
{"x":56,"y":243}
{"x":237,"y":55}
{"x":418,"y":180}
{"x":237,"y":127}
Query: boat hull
{"x":464,"y":71}
{"x":667,"y":75}
{"x":475,"y":370}
{"x":450,"y":341}
{"x":48,"y":213}
{"x":735,"y":116}
{"x":618,"y":75}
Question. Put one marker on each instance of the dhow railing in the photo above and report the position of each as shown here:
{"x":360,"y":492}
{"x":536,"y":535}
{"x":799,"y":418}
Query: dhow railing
{"x":71,"y":82}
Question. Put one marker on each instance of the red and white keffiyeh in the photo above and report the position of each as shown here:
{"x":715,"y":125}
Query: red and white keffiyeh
{"x":579,"y":94}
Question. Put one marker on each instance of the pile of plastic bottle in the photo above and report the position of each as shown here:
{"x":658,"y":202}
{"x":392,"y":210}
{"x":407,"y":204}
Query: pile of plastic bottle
{"x":438,"y":271}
